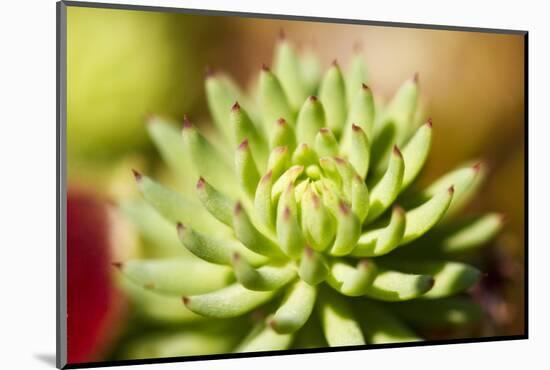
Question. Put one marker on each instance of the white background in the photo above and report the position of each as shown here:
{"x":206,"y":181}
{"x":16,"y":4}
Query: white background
{"x":27,"y":182}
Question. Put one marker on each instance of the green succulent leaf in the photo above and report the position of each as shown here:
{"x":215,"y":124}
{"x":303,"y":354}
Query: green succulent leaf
{"x":273,"y":100}
{"x":359,"y":198}
{"x":424,"y":217}
{"x":389,"y":285}
{"x":287,"y":68}
{"x":347,"y":230}
{"x":267,"y":277}
{"x":471,"y":234}
{"x":295,"y":309}
{"x":361,"y":113}
{"x":380,"y":326}
{"x":338,"y":321}
{"x":444,"y":312}
{"x":450,"y":277}
{"x":402,"y":108}
{"x":381,"y":241}
{"x":214,"y":250}
{"x":169,"y":143}
{"x":282,"y":135}
{"x":228,"y":302}
{"x":333,"y":96}
{"x":325,"y":143}
{"x":313,"y":268}
{"x":246,"y":130}
{"x":171,"y":276}
{"x":249,"y":235}
{"x":416,"y":152}
{"x":318,"y":224}
{"x":264,"y":338}
{"x":216,"y":203}
{"x":278,"y":161}
{"x":356,"y":77}
{"x":349,"y":280}
{"x":221,"y":94}
{"x":207,"y":160}
{"x":386,"y":190}
{"x":311,"y":119}
{"x":175,"y":208}
{"x":289,"y":233}
{"x":359,"y":154}
{"x":246,"y":168}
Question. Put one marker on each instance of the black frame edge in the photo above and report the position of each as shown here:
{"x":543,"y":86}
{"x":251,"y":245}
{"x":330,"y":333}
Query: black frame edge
{"x":61,"y":187}
{"x":289,"y":17}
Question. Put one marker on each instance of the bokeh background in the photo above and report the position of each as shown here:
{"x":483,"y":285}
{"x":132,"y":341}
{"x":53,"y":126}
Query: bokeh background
{"x":126,"y":64}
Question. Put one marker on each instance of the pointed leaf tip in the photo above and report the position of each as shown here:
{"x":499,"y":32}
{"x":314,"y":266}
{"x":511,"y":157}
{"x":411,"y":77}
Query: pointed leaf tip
{"x":477,"y":167}
{"x":282,"y":34}
{"x":281,"y":121}
{"x":396,"y":151}
{"x":365,"y":86}
{"x":186,"y":122}
{"x":415,"y":78}
{"x":238,"y":208}
{"x":243,"y":145}
{"x":117,"y":265}
{"x":236,"y":107}
{"x":451,"y":190}
{"x":429,"y":122}
{"x":265,"y":68}
{"x":335,"y":63}
{"x":138,"y":176}
{"x":201,"y":183}
{"x":185,"y":300}
{"x":312,"y":98}
{"x":209,"y":71}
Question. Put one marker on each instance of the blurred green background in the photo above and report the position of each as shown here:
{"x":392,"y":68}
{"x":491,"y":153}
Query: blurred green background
{"x":125,"y":64}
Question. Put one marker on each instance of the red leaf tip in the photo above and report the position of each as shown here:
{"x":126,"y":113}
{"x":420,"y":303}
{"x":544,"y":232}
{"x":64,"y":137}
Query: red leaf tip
{"x":399,"y":209}
{"x":286,"y":214}
{"x":209,"y":71}
{"x":186,"y":122}
{"x":238,"y":208}
{"x":138,"y":176}
{"x":451,"y":190}
{"x":117,"y":265}
{"x":312,"y":98}
{"x":344,"y":208}
{"x":396,"y":151}
{"x":476,"y":167}
{"x":265,"y":68}
{"x":236,"y":107}
{"x":201,"y":183}
{"x":243,"y":145}
{"x":281,"y":121}
{"x":429,"y":122}
{"x":356,"y":128}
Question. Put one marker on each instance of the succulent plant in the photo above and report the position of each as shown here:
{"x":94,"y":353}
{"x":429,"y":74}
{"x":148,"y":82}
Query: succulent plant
{"x":300,"y":211}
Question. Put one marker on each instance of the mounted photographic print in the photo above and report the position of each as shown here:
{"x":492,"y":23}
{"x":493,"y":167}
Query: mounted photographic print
{"x":237,"y":185}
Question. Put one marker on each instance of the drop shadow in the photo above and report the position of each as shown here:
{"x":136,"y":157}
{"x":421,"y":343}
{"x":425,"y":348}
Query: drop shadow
{"x":47,"y":358}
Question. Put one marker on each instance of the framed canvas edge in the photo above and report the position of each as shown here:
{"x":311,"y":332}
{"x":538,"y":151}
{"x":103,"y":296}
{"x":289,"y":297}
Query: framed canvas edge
{"x":61,"y":184}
